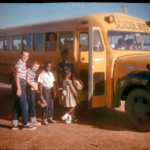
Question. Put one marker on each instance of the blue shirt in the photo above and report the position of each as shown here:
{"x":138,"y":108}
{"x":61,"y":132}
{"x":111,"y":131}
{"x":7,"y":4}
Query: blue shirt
{"x":62,"y":66}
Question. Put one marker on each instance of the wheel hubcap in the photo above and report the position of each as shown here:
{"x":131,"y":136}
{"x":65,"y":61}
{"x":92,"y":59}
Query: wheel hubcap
{"x":141,"y":109}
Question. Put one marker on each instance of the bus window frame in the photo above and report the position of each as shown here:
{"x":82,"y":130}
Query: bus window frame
{"x":73,"y":39}
{"x":126,"y":49}
{"x":100,"y":41}
{"x":10,"y":44}
{"x":44,"y":48}
{"x":13,"y":43}
{"x":31,"y":49}
{"x":88,"y":42}
{"x":32,"y":45}
{"x":3,"y":44}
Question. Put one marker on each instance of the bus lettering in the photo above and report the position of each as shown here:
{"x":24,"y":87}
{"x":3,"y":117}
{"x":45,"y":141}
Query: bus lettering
{"x":117,"y":25}
{"x":134,"y":26}
{"x":130,"y":25}
{"x":120,"y":26}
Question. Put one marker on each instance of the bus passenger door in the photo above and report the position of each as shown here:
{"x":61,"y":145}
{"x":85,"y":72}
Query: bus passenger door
{"x":97,"y":69}
{"x":82,"y":58}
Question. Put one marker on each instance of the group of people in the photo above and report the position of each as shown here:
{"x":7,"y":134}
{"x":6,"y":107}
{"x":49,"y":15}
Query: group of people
{"x":25,"y":96}
{"x":122,"y":44}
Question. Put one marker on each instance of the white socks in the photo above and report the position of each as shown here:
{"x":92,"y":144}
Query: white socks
{"x":65,"y":116}
{"x":68,"y":118}
{"x":72,"y":114}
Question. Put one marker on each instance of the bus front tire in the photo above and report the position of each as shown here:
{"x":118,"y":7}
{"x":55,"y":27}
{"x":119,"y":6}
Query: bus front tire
{"x":137,"y":107}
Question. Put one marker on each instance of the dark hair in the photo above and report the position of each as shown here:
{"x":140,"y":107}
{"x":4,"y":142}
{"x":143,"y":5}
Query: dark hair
{"x":129,"y":41}
{"x":53,"y":35}
{"x":64,"y":52}
{"x":67,"y":71}
{"x":24,"y":51}
{"x":46,"y":63}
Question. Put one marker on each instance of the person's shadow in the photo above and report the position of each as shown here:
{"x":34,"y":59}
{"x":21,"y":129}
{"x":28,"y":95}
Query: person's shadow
{"x":107,"y":119}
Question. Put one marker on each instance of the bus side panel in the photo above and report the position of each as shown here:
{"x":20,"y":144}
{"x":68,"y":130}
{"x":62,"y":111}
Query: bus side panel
{"x":5,"y":73}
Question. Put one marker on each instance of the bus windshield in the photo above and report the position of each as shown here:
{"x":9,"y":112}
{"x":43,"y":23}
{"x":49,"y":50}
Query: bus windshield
{"x":120,"y":40}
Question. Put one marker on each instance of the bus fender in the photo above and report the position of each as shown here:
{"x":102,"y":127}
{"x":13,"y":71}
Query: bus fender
{"x":129,"y":82}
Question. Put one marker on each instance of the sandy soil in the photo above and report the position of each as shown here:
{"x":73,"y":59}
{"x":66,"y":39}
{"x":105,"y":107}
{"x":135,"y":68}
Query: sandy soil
{"x":98,"y":129}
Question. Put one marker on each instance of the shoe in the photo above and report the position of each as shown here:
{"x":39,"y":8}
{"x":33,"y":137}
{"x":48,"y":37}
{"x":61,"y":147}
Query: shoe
{"x":74,"y":119}
{"x":51,"y":121}
{"x":65,"y":116}
{"x":28,"y":127}
{"x":68,"y":120}
{"x":36,"y":123}
{"x":44,"y":122}
{"x":15,"y":127}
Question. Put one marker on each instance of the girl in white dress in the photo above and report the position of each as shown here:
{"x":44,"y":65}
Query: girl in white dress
{"x":68,"y":96}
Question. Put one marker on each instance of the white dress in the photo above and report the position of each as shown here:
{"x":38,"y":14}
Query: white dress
{"x":68,"y":99}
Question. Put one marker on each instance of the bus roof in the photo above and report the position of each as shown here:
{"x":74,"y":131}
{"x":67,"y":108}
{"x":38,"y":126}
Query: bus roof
{"x":70,"y":23}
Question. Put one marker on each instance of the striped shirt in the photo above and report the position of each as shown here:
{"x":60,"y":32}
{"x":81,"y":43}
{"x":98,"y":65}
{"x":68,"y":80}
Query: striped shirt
{"x":21,"y":68}
{"x":32,"y":75}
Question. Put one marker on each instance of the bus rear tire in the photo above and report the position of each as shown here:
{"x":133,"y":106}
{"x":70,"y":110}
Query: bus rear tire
{"x":137,"y":107}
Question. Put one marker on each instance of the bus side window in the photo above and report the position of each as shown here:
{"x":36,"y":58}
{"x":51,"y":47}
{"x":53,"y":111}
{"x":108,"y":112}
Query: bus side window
{"x":1,"y":43}
{"x":27,"y":42}
{"x":84,"y":42}
{"x":51,"y":41}
{"x":97,"y":44}
{"x":16,"y":42}
{"x":66,"y":40}
{"x":38,"y":42}
{"x":7,"y":43}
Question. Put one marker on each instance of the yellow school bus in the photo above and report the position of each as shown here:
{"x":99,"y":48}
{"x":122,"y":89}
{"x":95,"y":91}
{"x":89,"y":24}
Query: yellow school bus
{"x":111,"y":53}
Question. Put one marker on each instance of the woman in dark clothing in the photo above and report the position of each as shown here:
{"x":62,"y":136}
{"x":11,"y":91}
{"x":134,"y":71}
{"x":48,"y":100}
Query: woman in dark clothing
{"x":60,"y":72}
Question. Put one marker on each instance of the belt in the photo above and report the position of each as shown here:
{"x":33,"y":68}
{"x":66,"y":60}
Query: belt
{"x":46,"y":88}
{"x":66,"y":89}
{"x":22,"y":79}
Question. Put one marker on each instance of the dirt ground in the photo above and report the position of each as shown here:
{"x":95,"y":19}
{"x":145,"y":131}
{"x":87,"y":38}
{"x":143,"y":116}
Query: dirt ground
{"x":98,"y":129}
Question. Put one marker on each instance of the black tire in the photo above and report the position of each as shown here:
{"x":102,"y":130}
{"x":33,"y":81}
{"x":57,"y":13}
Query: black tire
{"x":137,"y":107}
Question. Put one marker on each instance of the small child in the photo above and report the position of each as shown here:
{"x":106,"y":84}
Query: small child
{"x":47,"y":87}
{"x":69,"y":95}
{"x":32,"y":87}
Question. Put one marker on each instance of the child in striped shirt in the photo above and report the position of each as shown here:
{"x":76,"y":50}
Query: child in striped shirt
{"x":19,"y":94}
{"x":32,"y":87}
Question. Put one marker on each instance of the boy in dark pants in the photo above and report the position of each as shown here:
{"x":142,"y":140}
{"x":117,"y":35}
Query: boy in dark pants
{"x":46,"y":80}
{"x":31,"y":91}
{"x":19,"y":93}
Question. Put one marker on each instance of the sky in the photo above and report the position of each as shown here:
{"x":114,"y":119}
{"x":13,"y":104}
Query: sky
{"x":12,"y":14}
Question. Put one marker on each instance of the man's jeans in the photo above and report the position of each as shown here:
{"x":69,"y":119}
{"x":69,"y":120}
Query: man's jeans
{"x":48,"y":110}
{"x":31,"y":94}
{"x":20,"y":104}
